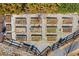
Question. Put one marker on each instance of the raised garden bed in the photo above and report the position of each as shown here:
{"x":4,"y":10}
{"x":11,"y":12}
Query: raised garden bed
{"x":52,"y":20}
{"x":35,"y":20}
{"x":67,"y":29}
{"x":21,"y":29}
{"x":35,"y":29}
{"x":67,"y":20}
{"x":8,"y":18}
{"x":21,"y":38}
{"x":51,"y":37}
{"x":51,"y":29}
{"x":36,"y":37}
{"x":21,"y":21}
{"x":8,"y":27}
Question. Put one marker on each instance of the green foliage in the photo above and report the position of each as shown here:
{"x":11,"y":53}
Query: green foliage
{"x":69,"y":8}
{"x":17,"y":8}
{"x":40,"y":8}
